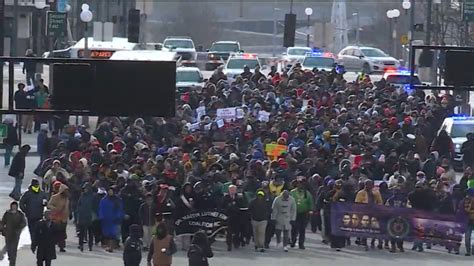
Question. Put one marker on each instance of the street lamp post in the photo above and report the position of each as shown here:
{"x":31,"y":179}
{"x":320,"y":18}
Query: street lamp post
{"x":406,"y":6}
{"x":40,"y":5}
{"x":86,"y":17}
{"x":358,"y":27}
{"x":393,"y":14}
{"x":308,"y":11}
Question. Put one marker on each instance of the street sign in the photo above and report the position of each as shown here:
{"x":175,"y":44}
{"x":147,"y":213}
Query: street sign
{"x":3,"y":131}
{"x":61,"y":6}
{"x":56,"y":24}
{"x":468,"y":10}
{"x":404,"y":39}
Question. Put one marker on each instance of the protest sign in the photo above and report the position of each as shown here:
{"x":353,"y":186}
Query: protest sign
{"x":226,"y":113}
{"x":194,"y":127}
{"x":207,"y":221}
{"x":220,"y":123}
{"x":263,"y":116}
{"x":200,"y":112}
{"x":240,"y":113}
{"x":378,"y":221}
{"x":274,"y":150}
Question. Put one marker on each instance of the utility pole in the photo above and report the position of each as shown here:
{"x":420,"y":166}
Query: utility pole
{"x":291,"y":6}
{"x":274,"y":28}
{"x":428,"y":22}
{"x":14,"y":36}
{"x":2,"y":30}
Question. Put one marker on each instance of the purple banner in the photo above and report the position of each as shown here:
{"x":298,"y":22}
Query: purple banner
{"x":377,"y":221}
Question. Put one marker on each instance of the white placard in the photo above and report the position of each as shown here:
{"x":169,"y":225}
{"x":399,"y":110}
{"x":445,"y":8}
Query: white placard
{"x":240,"y":113}
{"x":200,"y":112}
{"x":220,"y":123}
{"x":263,"y":116}
{"x":226,"y":113}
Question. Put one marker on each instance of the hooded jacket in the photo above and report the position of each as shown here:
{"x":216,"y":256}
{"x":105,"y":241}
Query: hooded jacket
{"x":32,"y":203}
{"x":132,"y":252}
{"x":86,"y":209}
{"x":12,"y":224}
{"x":59,"y":205}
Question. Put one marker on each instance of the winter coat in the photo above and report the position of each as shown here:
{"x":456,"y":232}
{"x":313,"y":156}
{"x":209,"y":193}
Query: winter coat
{"x":147,"y":214}
{"x":283,"y":212}
{"x":304,"y":200}
{"x":12,"y":223}
{"x":132,"y":251}
{"x":43,"y":241}
{"x":259,"y":210}
{"x":59,"y":206}
{"x":363,"y":197}
{"x":32,"y":203}
{"x":162,"y":258}
{"x":131,"y":198}
{"x":53,"y":173}
{"x":17,"y":168}
{"x":86,"y":212}
{"x":42,"y":143}
{"x":111,"y":214}
{"x":12,"y":136}
{"x":422,"y":200}
{"x":198,"y":255}
{"x":468,"y":204}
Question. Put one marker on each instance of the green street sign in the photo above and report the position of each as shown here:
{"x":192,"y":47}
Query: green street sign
{"x":468,"y":10}
{"x":3,"y":131}
{"x":56,"y":24}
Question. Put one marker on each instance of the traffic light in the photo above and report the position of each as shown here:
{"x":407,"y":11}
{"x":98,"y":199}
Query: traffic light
{"x":289,"y":32}
{"x":134,"y":25}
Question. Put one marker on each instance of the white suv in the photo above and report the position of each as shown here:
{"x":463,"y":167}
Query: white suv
{"x":183,"y":46}
{"x":457,"y":128}
{"x":367,"y":59}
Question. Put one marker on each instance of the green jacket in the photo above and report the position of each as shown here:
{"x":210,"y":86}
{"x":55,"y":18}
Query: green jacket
{"x":303,"y":199}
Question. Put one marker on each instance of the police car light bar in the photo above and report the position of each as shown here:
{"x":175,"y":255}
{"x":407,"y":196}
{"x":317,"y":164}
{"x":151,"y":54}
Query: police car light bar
{"x":401,"y":70}
{"x":319,"y":54}
{"x":461,"y":117}
{"x":249,"y":56}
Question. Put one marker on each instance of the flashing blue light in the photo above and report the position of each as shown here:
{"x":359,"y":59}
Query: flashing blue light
{"x":460,"y":117}
{"x":315,"y":54}
{"x":408,"y":89}
{"x":316,"y":50}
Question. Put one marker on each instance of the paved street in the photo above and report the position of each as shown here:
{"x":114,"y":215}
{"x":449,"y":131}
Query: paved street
{"x":315,"y":254}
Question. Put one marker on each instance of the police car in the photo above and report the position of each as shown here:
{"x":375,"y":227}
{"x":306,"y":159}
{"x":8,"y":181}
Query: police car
{"x":293,"y":55}
{"x":320,"y":60}
{"x":457,"y":128}
{"x":400,"y":78}
{"x":236,"y":63}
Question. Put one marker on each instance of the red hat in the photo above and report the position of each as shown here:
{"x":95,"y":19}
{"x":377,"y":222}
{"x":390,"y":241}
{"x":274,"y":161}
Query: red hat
{"x":284,"y":135}
{"x":189,"y":138}
{"x":282,"y":163}
{"x":393,"y":120}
